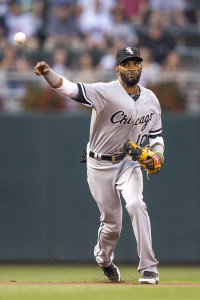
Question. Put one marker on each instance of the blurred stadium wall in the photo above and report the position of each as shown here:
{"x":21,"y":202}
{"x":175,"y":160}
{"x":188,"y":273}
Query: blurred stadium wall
{"x":46,"y":210}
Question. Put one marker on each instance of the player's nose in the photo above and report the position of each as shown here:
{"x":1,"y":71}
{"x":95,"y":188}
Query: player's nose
{"x":132,"y":66}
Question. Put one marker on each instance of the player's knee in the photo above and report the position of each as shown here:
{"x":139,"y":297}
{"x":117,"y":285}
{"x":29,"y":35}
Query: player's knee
{"x":135,"y":204}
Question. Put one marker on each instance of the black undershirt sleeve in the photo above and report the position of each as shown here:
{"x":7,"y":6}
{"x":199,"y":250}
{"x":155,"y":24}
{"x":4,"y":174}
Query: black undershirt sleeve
{"x":80,"y":98}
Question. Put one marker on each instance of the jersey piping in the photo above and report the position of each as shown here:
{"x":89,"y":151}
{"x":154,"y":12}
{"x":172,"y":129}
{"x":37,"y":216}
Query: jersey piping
{"x":82,"y":97}
{"x":154,"y":133}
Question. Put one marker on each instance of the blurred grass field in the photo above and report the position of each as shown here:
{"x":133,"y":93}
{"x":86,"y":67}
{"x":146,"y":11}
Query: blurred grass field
{"x":62,"y":281}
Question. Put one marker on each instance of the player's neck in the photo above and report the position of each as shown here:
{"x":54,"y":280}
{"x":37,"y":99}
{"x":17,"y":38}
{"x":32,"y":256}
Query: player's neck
{"x":134,"y":89}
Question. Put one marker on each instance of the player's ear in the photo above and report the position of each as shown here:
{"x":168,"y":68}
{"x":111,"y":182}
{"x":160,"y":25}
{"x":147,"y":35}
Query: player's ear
{"x":117,"y":70}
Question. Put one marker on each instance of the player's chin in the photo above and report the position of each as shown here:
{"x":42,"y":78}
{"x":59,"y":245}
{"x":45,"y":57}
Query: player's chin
{"x":131,"y":82}
{"x":133,"y":79}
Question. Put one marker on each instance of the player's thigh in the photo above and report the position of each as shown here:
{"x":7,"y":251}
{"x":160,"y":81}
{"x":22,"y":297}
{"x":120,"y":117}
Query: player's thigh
{"x":131,"y":185}
{"x":102,"y":183}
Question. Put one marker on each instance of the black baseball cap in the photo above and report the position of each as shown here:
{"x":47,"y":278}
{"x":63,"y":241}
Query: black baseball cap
{"x":128,"y":52}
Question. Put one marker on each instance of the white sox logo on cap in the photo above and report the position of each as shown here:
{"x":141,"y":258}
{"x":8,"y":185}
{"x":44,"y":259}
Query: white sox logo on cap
{"x":129,"y":50}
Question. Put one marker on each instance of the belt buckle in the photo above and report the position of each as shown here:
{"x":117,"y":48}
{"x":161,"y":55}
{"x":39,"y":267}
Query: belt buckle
{"x":114,"y":159}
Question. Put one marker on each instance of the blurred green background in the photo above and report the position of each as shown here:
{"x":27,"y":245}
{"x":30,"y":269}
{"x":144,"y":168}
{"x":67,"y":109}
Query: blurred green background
{"x":46,"y":210}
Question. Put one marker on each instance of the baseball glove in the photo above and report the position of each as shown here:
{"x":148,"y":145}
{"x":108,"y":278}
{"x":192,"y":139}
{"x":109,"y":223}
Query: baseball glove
{"x":142,"y":154}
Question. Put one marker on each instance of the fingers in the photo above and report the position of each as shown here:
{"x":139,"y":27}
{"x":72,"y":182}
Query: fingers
{"x":149,"y":163}
{"x":41,"y":68}
{"x":37,"y":72}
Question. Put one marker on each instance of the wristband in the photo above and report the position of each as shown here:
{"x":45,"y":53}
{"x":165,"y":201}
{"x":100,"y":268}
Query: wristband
{"x":53,"y":79}
{"x":161,"y":156}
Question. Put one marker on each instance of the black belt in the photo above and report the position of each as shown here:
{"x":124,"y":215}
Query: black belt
{"x":113,"y":158}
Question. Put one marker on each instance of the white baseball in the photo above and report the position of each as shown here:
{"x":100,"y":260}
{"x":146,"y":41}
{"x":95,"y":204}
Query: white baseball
{"x":20,"y":37}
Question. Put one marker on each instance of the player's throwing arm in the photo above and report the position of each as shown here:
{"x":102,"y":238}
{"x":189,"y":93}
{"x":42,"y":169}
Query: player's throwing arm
{"x":42,"y":68}
{"x":66,"y":87}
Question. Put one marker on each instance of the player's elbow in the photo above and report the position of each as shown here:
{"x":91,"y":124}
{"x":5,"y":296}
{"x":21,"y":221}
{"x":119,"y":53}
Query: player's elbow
{"x":69,"y":89}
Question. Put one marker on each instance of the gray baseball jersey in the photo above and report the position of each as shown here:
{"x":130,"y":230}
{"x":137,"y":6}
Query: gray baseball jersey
{"x":116,"y":117}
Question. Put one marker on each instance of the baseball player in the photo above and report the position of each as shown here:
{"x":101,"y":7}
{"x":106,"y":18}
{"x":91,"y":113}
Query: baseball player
{"x":121,"y":110}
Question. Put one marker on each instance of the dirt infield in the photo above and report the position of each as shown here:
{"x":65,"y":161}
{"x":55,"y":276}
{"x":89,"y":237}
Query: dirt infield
{"x":96,"y":283}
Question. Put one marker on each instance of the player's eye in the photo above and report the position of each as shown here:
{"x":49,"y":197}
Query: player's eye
{"x":125,"y":65}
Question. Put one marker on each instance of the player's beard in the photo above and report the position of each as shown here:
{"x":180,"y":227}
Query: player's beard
{"x":130,"y":82}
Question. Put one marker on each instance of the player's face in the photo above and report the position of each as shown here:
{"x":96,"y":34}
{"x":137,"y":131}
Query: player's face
{"x":129,"y":71}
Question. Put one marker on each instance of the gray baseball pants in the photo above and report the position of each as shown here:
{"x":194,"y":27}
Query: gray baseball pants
{"x":106,"y":182}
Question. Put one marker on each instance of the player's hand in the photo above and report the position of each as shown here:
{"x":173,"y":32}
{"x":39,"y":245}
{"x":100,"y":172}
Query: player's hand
{"x":150,"y":163}
{"x":41,"y":68}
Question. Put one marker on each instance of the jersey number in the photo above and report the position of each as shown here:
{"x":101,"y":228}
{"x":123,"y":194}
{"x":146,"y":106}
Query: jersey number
{"x":141,"y":138}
